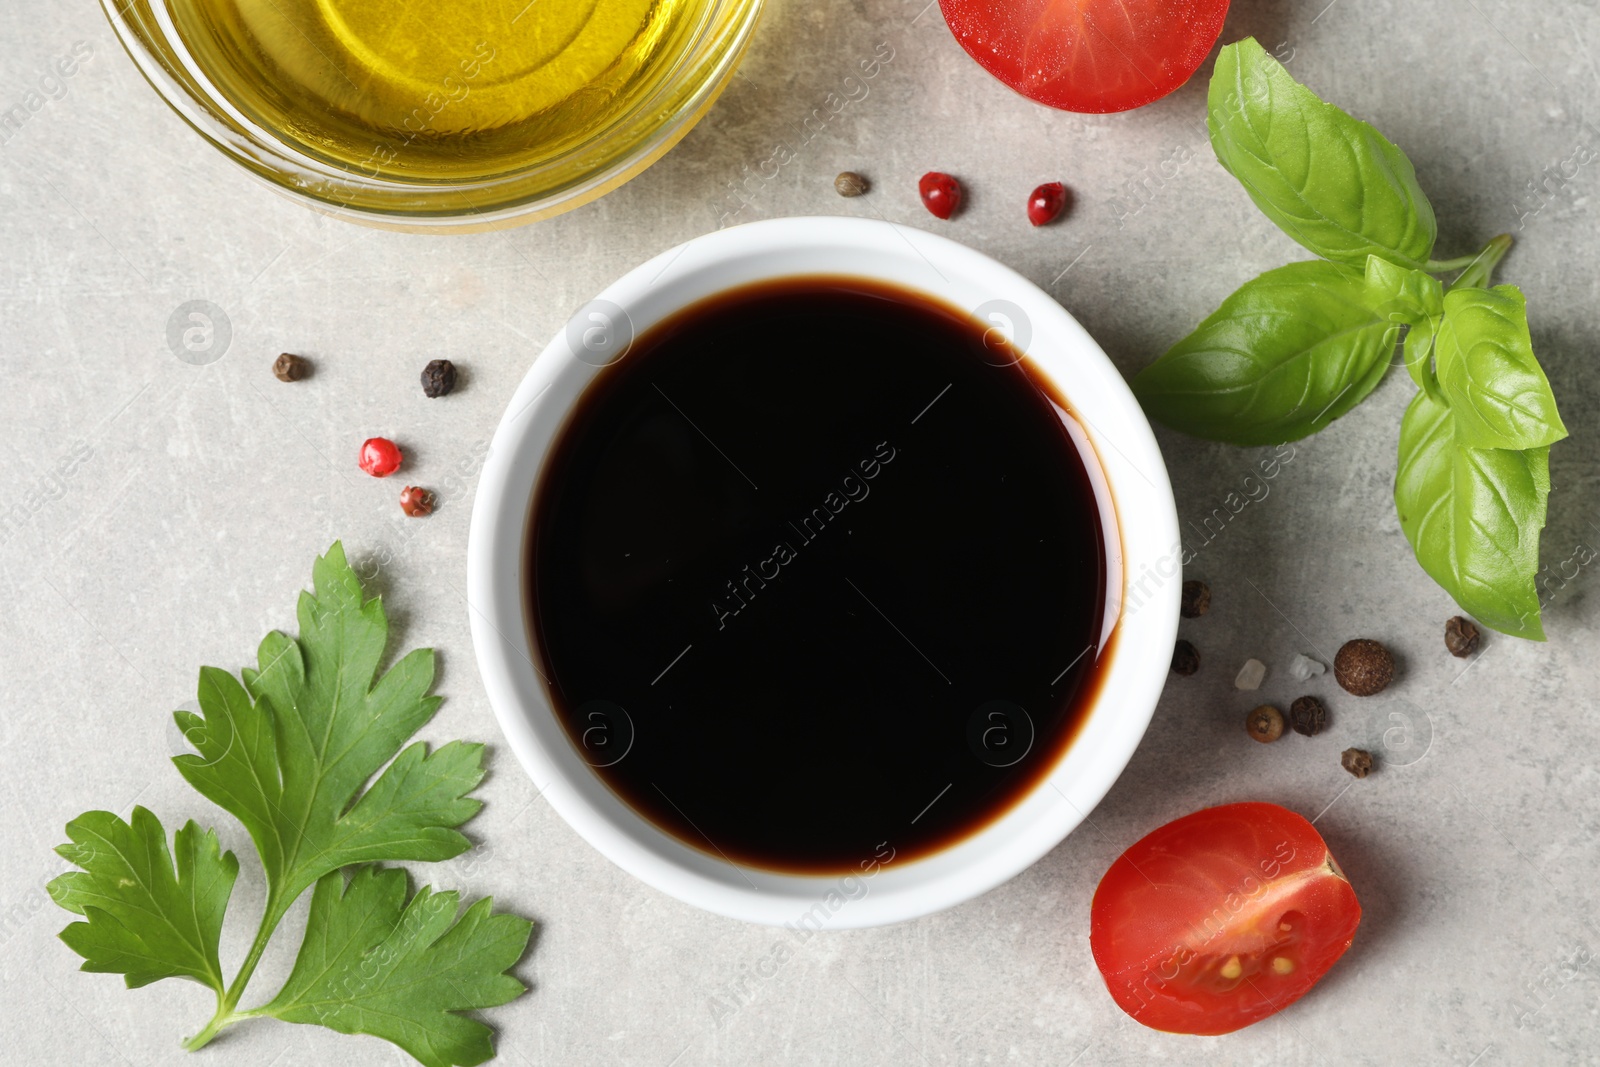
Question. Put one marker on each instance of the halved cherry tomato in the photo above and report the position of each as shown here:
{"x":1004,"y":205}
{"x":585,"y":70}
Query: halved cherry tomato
{"x":1221,"y":918}
{"x":1088,"y":55}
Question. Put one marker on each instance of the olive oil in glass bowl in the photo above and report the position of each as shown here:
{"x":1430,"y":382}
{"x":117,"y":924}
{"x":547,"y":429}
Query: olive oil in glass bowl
{"x":430,"y":115}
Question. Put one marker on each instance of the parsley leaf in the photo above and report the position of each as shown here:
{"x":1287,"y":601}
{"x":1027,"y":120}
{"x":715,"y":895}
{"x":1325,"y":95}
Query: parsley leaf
{"x":306,"y":751}
{"x":374,"y":964}
{"x":289,"y":750}
{"x":143,"y":919}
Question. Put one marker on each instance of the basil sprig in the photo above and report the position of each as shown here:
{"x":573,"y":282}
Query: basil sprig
{"x":1299,"y":346}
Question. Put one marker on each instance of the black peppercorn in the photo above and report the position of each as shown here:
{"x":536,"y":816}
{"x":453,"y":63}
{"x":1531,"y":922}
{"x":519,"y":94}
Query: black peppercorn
{"x":849,"y":183}
{"x":1185,"y":659}
{"x":438,"y":378}
{"x":1358,"y":761}
{"x":1363,"y":667}
{"x":1196,"y":599}
{"x":1264,"y":723}
{"x":1308,"y":716}
{"x":289,"y":367}
{"x":1460,"y":637}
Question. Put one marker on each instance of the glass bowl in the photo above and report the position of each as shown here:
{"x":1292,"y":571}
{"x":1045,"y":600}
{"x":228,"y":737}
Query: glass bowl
{"x":595,"y":163}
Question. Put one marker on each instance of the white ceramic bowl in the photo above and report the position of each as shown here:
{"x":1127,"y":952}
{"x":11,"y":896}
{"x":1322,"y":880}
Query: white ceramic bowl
{"x":1143,"y":585}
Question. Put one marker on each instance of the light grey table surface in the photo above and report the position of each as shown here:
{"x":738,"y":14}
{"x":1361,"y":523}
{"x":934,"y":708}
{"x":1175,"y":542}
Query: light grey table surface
{"x":158,"y":516}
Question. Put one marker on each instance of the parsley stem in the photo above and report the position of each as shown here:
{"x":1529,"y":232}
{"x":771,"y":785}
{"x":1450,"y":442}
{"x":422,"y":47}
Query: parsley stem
{"x":218,"y":1023}
{"x":226,"y":1003}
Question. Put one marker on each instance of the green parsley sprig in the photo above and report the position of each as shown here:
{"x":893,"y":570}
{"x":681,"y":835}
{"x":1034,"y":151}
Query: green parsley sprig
{"x":1301,"y":345}
{"x":289,"y":750}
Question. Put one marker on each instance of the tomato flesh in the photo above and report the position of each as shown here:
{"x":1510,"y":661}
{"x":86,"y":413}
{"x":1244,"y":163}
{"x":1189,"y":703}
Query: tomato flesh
{"x":1088,"y":55}
{"x":1221,"y":918}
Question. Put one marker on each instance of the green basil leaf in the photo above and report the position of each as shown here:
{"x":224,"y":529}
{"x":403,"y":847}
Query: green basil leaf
{"x":1401,"y":294}
{"x":1473,"y":517}
{"x":1487,"y":370}
{"x":1285,"y":355}
{"x":1331,"y":182}
{"x":1420,"y":341}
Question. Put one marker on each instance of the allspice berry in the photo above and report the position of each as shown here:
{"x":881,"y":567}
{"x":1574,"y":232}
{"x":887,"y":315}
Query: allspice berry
{"x":1461,"y":637}
{"x":1358,"y":761}
{"x":1308,"y":716}
{"x":1264,"y":723}
{"x":849,"y":184}
{"x":1185,"y":659}
{"x":289,"y":367}
{"x":1196,"y":599}
{"x":438,"y":378}
{"x":1363,"y":667}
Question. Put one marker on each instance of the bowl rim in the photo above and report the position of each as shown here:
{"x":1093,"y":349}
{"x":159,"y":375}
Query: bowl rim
{"x":1145,"y":614}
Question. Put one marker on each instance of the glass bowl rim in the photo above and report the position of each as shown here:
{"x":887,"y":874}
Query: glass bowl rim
{"x":724,"y":32}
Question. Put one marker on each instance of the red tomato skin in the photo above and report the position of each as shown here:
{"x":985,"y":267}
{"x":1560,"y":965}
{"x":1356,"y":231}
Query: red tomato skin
{"x":1088,"y":56}
{"x":1242,"y":883}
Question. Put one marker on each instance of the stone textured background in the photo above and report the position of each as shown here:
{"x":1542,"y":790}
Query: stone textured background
{"x":158,"y":516}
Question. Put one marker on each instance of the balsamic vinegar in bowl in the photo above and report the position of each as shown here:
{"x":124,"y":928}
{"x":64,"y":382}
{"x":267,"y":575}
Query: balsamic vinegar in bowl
{"x":817,"y":572}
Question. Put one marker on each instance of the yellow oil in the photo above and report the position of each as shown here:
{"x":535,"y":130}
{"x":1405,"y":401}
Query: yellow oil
{"x":436,"y":90}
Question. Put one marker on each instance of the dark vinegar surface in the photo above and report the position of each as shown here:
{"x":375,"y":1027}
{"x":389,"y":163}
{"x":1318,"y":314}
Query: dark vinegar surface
{"x":815,"y":577}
